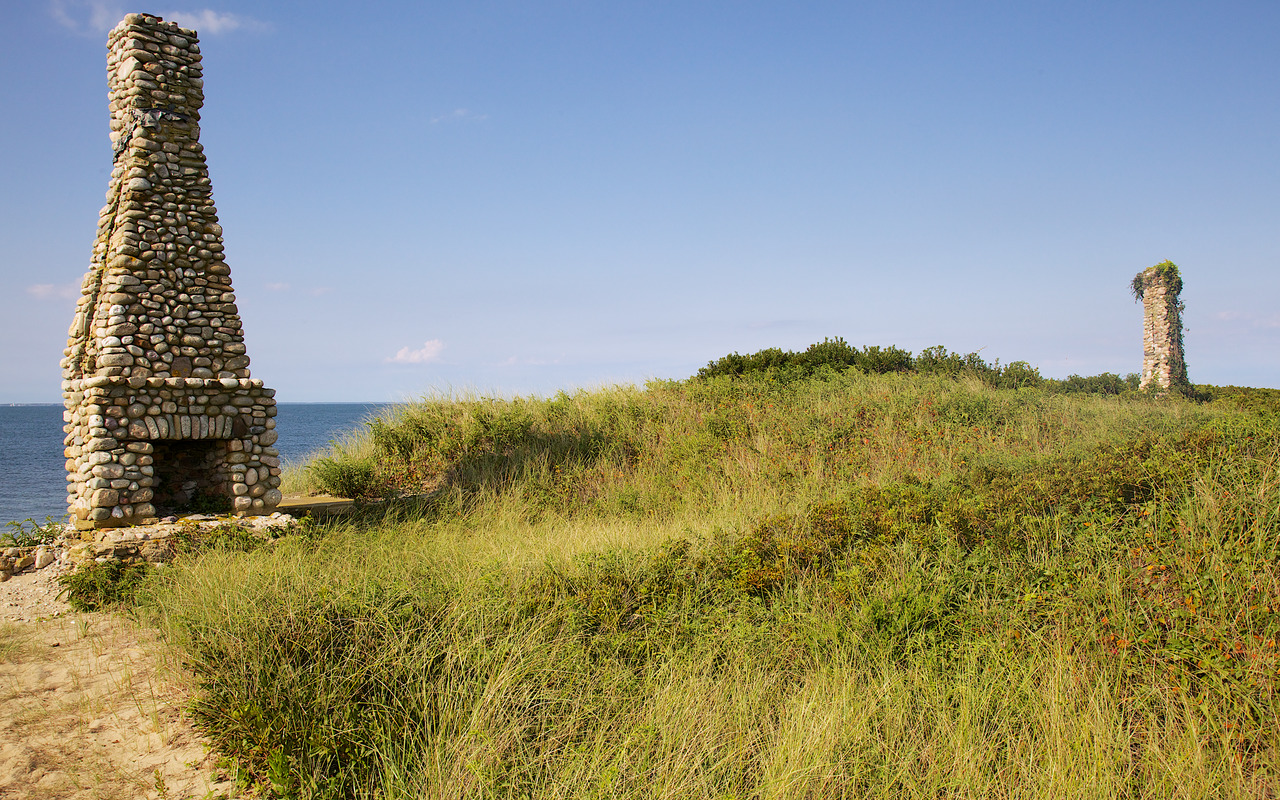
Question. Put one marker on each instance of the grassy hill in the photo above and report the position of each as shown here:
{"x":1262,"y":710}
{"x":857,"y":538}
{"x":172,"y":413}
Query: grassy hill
{"x":830,"y":580}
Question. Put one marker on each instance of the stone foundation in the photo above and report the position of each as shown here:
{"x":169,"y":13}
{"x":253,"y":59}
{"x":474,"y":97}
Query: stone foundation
{"x":144,"y":447}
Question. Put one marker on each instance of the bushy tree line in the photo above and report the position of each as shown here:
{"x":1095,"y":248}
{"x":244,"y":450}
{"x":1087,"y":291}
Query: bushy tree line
{"x":837,"y":354}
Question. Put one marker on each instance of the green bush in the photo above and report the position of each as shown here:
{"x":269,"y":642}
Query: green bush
{"x":837,"y":355}
{"x":228,"y":537}
{"x":829,"y":354}
{"x":1106,"y":383}
{"x":771,"y":358}
{"x":1020,"y":375}
{"x":1260,"y":401}
{"x":354,"y":478}
{"x":876,"y":360}
{"x":937,"y":360}
{"x":99,"y":586}
{"x":332,"y":666}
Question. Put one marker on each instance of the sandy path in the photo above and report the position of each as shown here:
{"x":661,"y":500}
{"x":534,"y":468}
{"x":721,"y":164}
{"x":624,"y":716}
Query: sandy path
{"x":87,"y":711}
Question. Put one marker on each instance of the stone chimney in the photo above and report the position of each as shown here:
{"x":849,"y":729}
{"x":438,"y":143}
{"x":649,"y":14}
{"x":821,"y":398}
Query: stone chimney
{"x":161,"y":413}
{"x":1158,"y":288}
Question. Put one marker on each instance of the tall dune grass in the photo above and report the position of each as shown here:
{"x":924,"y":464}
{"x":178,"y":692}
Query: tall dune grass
{"x":843,"y":586}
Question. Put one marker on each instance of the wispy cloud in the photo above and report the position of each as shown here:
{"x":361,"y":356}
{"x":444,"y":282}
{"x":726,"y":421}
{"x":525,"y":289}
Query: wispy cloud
{"x":86,"y":17}
{"x":459,"y":115}
{"x":54,"y":291}
{"x":429,"y":352}
{"x":213,"y":23}
{"x":96,"y":17}
{"x":278,"y":286}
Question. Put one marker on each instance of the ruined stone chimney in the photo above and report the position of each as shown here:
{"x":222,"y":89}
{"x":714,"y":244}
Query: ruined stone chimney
{"x":1158,"y":288}
{"x":161,"y":413}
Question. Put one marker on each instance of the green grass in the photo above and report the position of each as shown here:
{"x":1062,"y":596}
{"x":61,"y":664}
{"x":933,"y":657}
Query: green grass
{"x":841,"y":585}
{"x":29,"y":533}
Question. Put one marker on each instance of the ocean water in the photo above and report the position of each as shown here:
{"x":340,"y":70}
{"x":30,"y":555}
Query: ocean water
{"x":33,"y":470}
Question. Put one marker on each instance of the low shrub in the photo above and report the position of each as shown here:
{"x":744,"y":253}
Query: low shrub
{"x":1265,"y":402}
{"x":829,"y":354}
{"x":100,"y":586}
{"x":837,"y":355}
{"x":355,"y":478}
{"x":1106,"y":383}
{"x":335,"y":676}
{"x":193,"y":540}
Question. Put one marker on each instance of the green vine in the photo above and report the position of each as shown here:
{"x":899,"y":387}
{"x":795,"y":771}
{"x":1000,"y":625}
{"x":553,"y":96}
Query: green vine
{"x":1165,"y":271}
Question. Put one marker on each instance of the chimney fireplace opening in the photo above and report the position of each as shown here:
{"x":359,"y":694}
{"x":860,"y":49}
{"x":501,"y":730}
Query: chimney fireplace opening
{"x":191,"y":477}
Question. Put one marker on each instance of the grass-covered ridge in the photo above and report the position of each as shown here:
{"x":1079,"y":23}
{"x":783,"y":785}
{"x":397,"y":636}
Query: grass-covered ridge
{"x":837,"y":582}
{"x":469,"y":443}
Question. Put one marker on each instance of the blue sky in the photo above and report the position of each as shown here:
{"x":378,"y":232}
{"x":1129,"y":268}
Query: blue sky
{"x":519,"y":197}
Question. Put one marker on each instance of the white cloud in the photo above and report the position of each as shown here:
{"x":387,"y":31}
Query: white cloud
{"x":86,"y":17}
{"x":212,"y":23}
{"x":459,"y":115}
{"x":96,"y":17}
{"x":278,"y":286}
{"x":429,"y":352}
{"x":54,"y":291}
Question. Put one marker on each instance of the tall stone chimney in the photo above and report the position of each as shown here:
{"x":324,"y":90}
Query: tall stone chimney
{"x":161,"y":413}
{"x":1158,"y":288}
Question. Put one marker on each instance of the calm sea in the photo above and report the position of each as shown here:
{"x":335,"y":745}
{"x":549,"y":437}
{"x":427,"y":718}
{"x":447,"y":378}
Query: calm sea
{"x":33,"y":472}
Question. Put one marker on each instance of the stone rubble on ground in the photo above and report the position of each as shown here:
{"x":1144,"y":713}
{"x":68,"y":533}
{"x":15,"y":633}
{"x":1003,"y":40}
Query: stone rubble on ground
{"x":29,"y":585}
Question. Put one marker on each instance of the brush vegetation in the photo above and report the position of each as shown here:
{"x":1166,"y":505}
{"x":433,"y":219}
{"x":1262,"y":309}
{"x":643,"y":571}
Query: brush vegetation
{"x":784,"y":583}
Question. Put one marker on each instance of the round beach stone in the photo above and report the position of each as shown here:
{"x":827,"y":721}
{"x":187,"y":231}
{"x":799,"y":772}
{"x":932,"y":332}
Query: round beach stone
{"x":104,"y":498}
